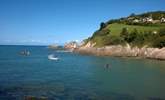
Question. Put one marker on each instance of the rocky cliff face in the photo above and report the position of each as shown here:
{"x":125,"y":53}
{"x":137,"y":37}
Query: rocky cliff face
{"x":71,"y":46}
{"x":123,"y":51}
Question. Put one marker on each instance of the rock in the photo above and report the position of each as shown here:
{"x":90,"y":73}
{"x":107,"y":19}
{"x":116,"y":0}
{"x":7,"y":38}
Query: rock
{"x":55,"y":46}
{"x":123,"y":51}
{"x":71,"y":45}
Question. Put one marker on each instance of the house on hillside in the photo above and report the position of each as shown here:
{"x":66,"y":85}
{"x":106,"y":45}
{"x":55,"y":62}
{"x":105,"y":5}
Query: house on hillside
{"x":162,"y":20}
{"x":147,"y":19}
{"x":130,"y":18}
{"x":136,"y":20}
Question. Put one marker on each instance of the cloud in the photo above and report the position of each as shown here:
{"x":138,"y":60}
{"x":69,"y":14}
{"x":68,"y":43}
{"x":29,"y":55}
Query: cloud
{"x":29,"y":41}
{"x":77,"y":40}
{"x":36,"y":41}
{"x":32,"y":41}
{"x":8,"y":41}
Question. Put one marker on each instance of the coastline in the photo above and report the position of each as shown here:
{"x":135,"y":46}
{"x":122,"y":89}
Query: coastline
{"x":123,"y":51}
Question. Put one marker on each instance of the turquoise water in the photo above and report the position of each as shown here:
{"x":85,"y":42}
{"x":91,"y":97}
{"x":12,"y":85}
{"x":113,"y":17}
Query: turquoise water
{"x":78,"y":77}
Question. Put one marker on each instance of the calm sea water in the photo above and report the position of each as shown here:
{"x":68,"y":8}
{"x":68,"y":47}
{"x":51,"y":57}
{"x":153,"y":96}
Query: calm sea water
{"x":78,"y":77}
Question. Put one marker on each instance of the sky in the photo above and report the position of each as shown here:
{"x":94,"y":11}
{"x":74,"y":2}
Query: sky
{"x":44,"y":22}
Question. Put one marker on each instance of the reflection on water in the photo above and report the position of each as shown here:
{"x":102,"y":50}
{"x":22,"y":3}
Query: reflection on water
{"x":78,"y":77}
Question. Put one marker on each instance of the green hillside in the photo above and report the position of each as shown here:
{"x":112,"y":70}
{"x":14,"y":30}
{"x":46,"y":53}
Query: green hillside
{"x":126,"y":31}
{"x":116,"y":28}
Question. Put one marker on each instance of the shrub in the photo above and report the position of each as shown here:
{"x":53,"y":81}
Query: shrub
{"x":101,"y":33}
{"x":139,"y":40}
{"x":132,"y":36}
{"x":124,"y":34}
{"x":159,"y":42}
{"x":113,"y":40}
{"x":162,"y":32}
{"x":102,"y":25}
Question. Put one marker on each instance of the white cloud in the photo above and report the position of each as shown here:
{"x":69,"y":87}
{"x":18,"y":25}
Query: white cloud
{"x":77,"y":40}
{"x":5,"y":40}
{"x":36,"y":41}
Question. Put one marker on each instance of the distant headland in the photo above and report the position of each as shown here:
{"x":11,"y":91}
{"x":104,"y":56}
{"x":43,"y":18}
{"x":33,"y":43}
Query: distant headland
{"x":138,"y":35}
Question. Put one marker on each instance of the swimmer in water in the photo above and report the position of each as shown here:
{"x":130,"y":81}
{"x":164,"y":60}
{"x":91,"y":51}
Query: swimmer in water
{"x":107,"y":66}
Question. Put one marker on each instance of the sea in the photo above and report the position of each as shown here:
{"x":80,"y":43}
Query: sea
{"x":77,"y":77}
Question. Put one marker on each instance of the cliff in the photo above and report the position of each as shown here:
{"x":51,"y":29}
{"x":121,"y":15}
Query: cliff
{"x":123,"y":51}
{"x":55,"y":46}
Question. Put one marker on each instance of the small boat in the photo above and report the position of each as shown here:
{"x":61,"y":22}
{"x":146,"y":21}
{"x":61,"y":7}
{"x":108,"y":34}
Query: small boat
{"x":25,"y":53}
{"x":52,"y":57}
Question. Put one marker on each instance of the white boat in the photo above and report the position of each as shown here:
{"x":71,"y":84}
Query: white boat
{"x":52,"y":57}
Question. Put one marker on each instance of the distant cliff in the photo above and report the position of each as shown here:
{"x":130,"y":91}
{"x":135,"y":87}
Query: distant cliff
{"x":140,"y":35}
{"x":55,"y":46}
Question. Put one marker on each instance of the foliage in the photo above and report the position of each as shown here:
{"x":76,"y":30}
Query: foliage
{"x":157,"y":15}
{"x":121,"y":31}
{"x":132,"y":36}
{"x":124,"y":33}
{"x":115,"y":40}
{"x":162,"y":32}
{"x":102,"y":25}
{"x":101,"y":33}
{"x":159,"y":42}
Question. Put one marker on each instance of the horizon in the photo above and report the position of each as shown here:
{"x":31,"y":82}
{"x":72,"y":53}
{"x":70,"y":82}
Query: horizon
{"x":41,"y":22}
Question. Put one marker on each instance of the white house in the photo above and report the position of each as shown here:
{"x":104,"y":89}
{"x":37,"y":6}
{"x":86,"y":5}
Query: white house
{"x":147,"y":19}
{"x":136,"y":21}
{"x":130,"y":18}
{"x":162,"y":20}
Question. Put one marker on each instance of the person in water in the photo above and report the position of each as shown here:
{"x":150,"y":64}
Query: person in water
{"x":107,"y":66}
{"x":25,"y":53}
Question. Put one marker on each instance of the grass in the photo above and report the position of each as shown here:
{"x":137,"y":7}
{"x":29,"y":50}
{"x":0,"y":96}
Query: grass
{"x":116,"y":28}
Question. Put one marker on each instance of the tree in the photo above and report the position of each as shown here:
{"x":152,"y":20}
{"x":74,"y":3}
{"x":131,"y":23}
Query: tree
{"x":102,"y":25}
{"x":132,"y":15}
{"x":162,"y":32}
{"x":159,"y":42}
{"x":124,"y":34}
{"x":132,"y":35}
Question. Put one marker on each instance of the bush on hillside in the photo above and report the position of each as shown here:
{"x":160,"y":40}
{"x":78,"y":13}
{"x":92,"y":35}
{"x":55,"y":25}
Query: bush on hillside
{"x":103,"y":32}
{"x":124,"y":34}
{"x":132,"y":36}
{"x":102,"y":25}
{"x":139,"y":40}
{"x":159,"y":42}
{"x":113,"y":40}
{"x":162,"y":32}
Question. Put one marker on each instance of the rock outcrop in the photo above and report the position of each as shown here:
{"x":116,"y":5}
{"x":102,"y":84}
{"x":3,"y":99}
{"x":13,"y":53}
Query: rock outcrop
{"x":123,"y":51}
{"x":55,"y":46}
{"x":71,"y":45}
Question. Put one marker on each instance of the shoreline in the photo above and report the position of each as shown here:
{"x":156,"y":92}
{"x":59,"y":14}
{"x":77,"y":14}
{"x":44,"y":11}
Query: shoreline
{"x":123,"y":51}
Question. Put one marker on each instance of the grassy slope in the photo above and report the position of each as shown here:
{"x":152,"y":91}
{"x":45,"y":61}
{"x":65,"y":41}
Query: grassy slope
{"x":116,"y":28}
